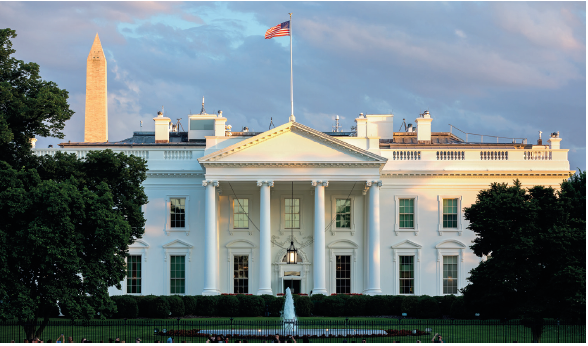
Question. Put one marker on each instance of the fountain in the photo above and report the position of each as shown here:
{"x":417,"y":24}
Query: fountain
{"x":289,"y":314}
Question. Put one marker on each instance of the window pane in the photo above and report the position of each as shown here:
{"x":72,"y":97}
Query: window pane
{"x":134,"y":274}
{"x":406,"y":274}
{"x":241,"y":213}
{"x":450,"y":213}
{"x":292,"y":213}
{"x":450,"y":274}
{"x":241,"y":274}
{"x":343,"y":213}
{"x":177,"y":212}
{"x":177,"y":274}
{"x":343,"y":274}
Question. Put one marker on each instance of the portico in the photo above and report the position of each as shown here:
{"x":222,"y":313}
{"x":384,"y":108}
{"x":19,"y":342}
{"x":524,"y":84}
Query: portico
{"x":325,"y":172}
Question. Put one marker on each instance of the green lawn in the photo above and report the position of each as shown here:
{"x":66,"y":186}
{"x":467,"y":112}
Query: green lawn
{"x":452,"y":331}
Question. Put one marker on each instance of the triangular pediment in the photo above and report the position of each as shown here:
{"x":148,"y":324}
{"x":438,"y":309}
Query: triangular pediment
{"x":407,"y":244}
{"x":293,"y":143}
{"x":450,"y":244}
{"x":178,"y":244}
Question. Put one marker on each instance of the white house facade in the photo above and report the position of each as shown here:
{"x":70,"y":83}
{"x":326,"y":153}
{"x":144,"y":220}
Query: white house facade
{"x":371,"y":211}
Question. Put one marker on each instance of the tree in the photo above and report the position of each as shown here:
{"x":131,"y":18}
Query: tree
{"x":66,"y":222}
{"x":29,"y":106}
{"x":535,"y":242}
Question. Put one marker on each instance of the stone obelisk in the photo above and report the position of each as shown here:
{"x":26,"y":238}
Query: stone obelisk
{"x":96,"y":125}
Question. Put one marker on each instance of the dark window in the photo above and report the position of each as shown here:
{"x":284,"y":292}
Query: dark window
{"x":134,"y":274}
{"x":343,"y":270}
{"x":406,"y":274}
{"x":241,"y":274}
{"x":178,"y":275}
{"x":178,"y":212}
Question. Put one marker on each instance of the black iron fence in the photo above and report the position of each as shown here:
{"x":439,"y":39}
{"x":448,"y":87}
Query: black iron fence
{"x":312,"y":330}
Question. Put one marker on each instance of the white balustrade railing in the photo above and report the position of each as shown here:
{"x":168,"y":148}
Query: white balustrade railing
{"x":542,"y":155}
{"x":406,"y":155}
{"x":494,"y":155}
{"x":451,"y":155}
{"x":177,"y":155}
{"x":144,"y":154}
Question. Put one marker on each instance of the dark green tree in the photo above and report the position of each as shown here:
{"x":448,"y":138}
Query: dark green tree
{"x":535,"y":240}
{"x":29,"y":106}
{"x":66,"y":222}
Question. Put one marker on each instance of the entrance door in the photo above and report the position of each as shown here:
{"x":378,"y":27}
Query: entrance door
{"x":293,"y":284}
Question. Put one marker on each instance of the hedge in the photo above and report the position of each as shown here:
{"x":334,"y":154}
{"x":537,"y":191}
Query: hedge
{"x":305,"y":306}
{"x":126,"y":307}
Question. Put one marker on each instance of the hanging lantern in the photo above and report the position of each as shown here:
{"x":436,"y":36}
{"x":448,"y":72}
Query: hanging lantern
{"x":292,"y":254}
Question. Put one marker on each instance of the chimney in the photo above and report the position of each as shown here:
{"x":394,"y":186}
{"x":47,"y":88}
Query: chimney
{"x":424,"y":128}
{"x":161,"y":128}
{"x":554,"y":141}
{"x":409,"y":128}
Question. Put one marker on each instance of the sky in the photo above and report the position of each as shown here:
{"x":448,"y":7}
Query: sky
{"x":507,"y":69}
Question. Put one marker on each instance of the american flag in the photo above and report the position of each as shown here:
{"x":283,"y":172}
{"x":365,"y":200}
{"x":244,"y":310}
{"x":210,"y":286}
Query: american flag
{"x":278,"y":30}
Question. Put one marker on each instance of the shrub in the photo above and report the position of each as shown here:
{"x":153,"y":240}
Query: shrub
{"x":317,"y":304}
{"x":268,"y":301}
{"x":355,"y":306}
{"x":189,"y":305}
{"x":176,"y":306}
{"x":160,"y":308}
{"x":207,"y":305}
{"x":250,"y":306}
{"x":303,"y":306}
{"x":333,"y":306}
{"x":410,"y":306}
{"x":144,"y":303}
{"x":395,"y":305}
{"x":277,"y":306}
{"x":377,"y":306}
{"x":428,"y":307}
{"x":126,"y":307}
{"x":446,"y":303}
{"x":228,"y":306}
{"x":458,"y":309}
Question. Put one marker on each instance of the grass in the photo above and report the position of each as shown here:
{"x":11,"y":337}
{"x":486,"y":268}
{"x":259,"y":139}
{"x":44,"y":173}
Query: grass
{"x":490,"y":331}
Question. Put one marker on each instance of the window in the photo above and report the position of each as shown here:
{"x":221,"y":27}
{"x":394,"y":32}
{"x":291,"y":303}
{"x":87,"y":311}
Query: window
{"x":343,"y":216}
{"x":292,"y":213}
{"x":450,"y":213}
{"x":241,"y":213}
{"x":134,"y":274}
{"x":178,"y":212}
{"x":450,"y":274}
{"x":406,"y":274}
{"x":241,"y":274}
{"x":178,"y":274}
{"x":343,"y":274}
{"x":406,"y":212}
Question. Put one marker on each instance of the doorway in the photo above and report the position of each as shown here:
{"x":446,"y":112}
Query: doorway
{"x":293,"y":284}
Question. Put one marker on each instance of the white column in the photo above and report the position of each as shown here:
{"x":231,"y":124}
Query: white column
{"x":210,"y":240}
{"x":374,"y":238}
{"x":265,"y":240}
{"x":319,"y":258}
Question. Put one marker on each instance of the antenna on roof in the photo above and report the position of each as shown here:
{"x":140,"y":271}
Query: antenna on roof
{"x":141,"y":125}
{"x":202,"y":111}
{"x":336,"y":128}
{"x":162,"y":110}
{"x":271,"y":123}
{"x":403,"y":124}
{"x":178,"y":125}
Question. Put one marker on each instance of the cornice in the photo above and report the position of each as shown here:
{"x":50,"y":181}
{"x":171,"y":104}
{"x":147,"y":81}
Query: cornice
{"x":172,"y":174}
{"x":475,"y":174}
{"x":236,"y":164}
{"x":288,"y":127}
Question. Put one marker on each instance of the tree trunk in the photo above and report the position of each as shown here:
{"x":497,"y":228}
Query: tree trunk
{"x":537,"y":331}
{"x":30,"y":327}
{"x":44,"y":324}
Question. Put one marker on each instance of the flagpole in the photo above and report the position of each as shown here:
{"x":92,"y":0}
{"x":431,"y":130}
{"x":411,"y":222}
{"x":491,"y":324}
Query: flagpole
{"x":292,"y":118}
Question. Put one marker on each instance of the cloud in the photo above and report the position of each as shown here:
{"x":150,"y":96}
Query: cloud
{"x":460,"y":33}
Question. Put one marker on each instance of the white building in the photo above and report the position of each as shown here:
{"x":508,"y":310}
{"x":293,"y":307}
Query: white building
{"x":373,"y":212}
